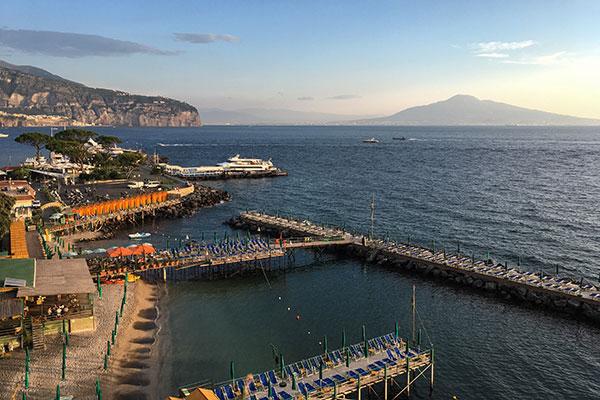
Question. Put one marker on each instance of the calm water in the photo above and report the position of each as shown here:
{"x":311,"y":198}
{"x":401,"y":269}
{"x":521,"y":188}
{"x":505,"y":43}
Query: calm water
{"x":528,"y":192}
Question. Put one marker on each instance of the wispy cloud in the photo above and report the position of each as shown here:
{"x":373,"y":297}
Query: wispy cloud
{"x":492,"y":55}
{"x":548,"y":59}
{"x":202,"y":38}
{"x":496,"y":46}
{"x":344,"y":97}
{"x":71,"y":45}
{"x":306,"y":98}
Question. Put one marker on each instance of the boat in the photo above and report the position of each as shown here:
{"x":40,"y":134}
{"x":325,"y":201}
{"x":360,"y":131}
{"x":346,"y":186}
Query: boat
{"x":139,"y":235}
{"x":399,"y":138}
{"x":372,"y":140}
{"x":152,"y":184}
{"x":135,"y":185}
{"x":3,"y":135}
{"x":234,"y":167}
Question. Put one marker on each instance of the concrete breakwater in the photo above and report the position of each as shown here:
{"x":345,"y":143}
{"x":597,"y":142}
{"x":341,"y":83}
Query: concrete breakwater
{"x":555,"y":293}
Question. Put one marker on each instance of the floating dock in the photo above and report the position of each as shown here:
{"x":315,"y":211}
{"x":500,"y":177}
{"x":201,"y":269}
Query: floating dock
{"x":537,"y":288}
{"x":387,"y":360}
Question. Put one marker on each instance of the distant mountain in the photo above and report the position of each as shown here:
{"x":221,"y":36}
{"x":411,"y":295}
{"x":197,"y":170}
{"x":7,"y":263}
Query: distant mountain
{"x":265,"y":116}
{"x":30,"y":96}
{"x":469,"y":110}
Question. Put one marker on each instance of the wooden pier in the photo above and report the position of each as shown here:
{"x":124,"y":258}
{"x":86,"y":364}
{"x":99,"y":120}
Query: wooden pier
{"x":511,"y":283}
{"x":387,"y":360}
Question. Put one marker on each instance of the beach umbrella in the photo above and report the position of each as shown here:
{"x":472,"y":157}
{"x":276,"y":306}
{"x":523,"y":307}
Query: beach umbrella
{"x":343,"y":338}
{"x":325,"y":344}
{"x":366,"y":348}
{"x":347,"y":358}
{"x":294,"y":385}
{"x":232,"y":371}
{"x":57,"y":392}
{"x":396,"y":331}
{"x":364,"y":333}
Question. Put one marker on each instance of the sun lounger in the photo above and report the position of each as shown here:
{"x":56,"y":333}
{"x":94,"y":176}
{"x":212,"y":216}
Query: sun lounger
{"x":295,"y":369}
{"x":362,"y":372}
{"x":302,"y":388}
{"x":374,"y":367}
{"x":310,"y":387}
{"x":329,"y":382}
{"x":285,"y":395}
{"x":220,"y":394}
{"x":252,"y":387}
{"x":272,"y":377}
{"x":263,"y":380}
{"x":229,"y":392}
{"x":381,"y":364}
{"x":339,"y":379}
{"x":353,"y":374}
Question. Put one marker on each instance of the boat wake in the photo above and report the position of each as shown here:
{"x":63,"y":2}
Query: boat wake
{"x":177,"y":144}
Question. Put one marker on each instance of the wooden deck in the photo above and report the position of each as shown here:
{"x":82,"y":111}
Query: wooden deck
{"x":335,"y":374}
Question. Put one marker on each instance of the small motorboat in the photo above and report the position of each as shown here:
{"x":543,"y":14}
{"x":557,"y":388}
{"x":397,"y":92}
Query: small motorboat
{"x":139,"y":235}
{"x":372,"y":140}
{"x":399,"y":138}
{"x":3,"y":135}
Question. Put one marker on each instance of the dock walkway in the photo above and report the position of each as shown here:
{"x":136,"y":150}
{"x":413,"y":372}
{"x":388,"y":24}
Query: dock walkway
{"x":554,"y":291}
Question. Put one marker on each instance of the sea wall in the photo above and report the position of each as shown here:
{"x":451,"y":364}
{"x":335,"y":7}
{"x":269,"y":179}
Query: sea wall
{"x":505,"y":289}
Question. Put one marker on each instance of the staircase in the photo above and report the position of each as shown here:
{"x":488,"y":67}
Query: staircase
{"x":38,"y":337}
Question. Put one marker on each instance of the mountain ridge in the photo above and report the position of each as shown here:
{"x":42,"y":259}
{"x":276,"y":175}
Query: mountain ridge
{"x":31,"y":96}
{"x":468,"y":110}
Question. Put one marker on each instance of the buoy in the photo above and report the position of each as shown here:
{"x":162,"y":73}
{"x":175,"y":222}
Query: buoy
{"x":279,"y":297}
{"x":289,"y":308}
{"x":298,"y":317}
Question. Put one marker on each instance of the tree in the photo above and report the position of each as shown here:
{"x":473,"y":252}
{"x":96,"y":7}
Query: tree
{"x":129,"y":161}
{"x":75,"y":135}
{"x":6,"y":204}
{"x":35,"y":139}
{"x":75,"y":150}
{"x":108,"y":141}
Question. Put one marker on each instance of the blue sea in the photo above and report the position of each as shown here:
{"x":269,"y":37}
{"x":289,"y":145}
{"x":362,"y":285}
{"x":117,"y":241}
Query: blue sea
{"x":528,"y":194}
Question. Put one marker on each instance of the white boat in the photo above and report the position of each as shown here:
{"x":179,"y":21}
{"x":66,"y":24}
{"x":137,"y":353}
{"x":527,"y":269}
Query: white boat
{"x":234,"y":167}
{"x":3,"y":135}
{"x":139,"y":235}
{"x":372,"y":140}
{"x":152,"y":184}
{"x":135,"y":185}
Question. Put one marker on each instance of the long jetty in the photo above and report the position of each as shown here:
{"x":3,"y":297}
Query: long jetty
{"x":335,"y":374}
{"x":548,"y":291}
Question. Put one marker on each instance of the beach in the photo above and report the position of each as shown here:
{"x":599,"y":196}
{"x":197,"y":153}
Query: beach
{"x":131,"y":368}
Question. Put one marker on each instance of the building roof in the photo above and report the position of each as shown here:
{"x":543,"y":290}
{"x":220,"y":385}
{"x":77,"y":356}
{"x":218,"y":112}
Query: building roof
{"x":60,"y":277}
{"x":18,"y":268}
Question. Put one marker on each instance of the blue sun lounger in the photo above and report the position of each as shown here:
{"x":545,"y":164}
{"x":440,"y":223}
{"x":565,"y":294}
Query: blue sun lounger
{"x":353,"y":375}
{"x":307,"y":367}
{"x":391,"y":355}
{"x":329,"y":382}
{"x":285,"y":395}
{"x":381,"y":344}
{"x":288,"y":370}
{"x":229,"y":391}
{"x":272,"y":377}
{"x":338,"y":378}
{"x":252,"y":387}
{"x":314,"y":363}
{"x":302,"y":389}
{"x":362,"y":372}
{"x":310,"y":387}
{"x":374,"y":367}
{"x":240,"y":384}
{"x":219,"y":393}
{"x":263,"y":380}
{"x":381,"y":363}
{"x":296,"y":370}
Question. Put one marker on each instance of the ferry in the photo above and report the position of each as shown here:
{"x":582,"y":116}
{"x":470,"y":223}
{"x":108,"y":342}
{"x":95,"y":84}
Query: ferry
{"x":234,"y":167}
{"x":372,"y":140}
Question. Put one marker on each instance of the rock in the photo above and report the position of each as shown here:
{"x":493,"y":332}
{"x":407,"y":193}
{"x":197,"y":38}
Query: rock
{"x":491,"y":286}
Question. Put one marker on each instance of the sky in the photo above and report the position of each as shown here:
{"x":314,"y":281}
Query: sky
{"x":347,"y":57}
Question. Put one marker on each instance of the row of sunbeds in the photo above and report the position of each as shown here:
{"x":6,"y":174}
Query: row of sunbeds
{"x":303,"y":370}
{"x":498,"y":270}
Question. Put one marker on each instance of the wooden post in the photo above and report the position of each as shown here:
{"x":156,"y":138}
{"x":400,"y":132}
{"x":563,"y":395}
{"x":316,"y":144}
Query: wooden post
{"x":407,"y":376}
{"x":432,"y":361}
{"x":385,"y":382}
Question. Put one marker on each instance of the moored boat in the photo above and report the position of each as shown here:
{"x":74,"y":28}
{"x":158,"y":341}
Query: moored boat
{"x":371,"y":140}
{"x":139,"y":235}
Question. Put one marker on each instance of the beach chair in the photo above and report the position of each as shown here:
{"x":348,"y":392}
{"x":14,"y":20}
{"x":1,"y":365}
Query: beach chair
{"x":220,"y":394}
{"x":390,"y":354}
{"x":239,"y":385}
{"x":302,"y":388}
{"x":252,"y":387}
{"x":296,"y":369}
{"x":310,"y":387}
{"x":381,"y":364}
{"x":337,"y":354}
{"x":229,"y":392}
{"x":374,"y":367}
{"x":339,"y":378}
{"x":307,"y":367}
{"x":263,"y":380}
{"x":353,"y":374}
{"x":272,"y":377}
{"x":328,"y":382}
{"x":285,"y":395}
{"x":381,"y":344}
{"x":288,"y":370}
{"x":362,"y":372}
{"x":314,"y":363}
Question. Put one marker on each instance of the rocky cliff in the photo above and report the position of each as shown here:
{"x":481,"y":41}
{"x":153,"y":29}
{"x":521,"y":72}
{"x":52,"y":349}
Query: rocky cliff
{"x":30,"y":98}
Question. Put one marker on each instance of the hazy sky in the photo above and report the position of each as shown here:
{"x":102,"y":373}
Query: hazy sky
{"x":350,"y":57}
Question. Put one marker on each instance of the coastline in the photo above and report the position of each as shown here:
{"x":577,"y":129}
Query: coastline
{"x":135,"y":365}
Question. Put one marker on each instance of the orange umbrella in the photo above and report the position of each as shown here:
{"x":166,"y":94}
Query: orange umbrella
{"x":119,"y":252}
